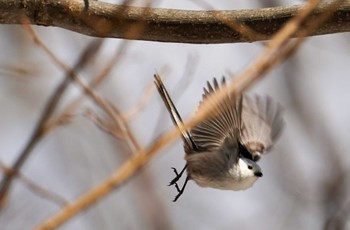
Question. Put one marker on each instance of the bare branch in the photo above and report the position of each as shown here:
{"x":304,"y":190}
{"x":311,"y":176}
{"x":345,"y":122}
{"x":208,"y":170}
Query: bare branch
{"x":165,"y":25}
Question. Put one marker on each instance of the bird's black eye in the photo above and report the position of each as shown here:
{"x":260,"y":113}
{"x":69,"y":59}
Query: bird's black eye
{"x":250,"y":167}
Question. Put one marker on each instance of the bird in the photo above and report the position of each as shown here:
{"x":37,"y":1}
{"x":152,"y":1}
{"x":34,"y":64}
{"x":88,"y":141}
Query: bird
{"x":222,"y":151}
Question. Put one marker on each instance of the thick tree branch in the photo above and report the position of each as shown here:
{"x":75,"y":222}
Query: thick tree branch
{"x":164,"y":25}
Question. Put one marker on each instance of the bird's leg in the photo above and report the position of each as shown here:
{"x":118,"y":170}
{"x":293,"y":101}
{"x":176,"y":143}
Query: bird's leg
{"x":178,"y":175}
{"x":180,"y":191}
{"x":174,"y":182}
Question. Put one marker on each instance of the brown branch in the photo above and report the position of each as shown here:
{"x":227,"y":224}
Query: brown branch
{"x":165,"y":25}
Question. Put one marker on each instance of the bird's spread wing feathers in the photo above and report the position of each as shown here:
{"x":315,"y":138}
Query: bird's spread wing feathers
{"x":222,"y":125}
{"x":262,"y":123}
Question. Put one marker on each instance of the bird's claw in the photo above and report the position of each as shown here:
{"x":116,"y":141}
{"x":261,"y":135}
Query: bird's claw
{"x":176,"y":178}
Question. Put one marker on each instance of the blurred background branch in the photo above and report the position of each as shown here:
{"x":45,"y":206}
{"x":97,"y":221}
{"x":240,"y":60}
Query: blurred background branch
{"x":39,"y":130}
{"x":165,"y":25}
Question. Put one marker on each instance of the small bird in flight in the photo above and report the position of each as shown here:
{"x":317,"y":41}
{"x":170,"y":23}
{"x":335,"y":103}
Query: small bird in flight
{"x":221,"y":151}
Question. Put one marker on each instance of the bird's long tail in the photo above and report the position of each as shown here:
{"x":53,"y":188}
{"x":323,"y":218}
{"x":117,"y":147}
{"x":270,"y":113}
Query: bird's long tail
{"x":174,"y":114}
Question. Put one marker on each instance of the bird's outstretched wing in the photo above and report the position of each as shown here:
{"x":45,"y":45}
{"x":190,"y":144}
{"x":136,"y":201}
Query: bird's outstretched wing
{"x":262,"y":122}
{"x":223,"y":124}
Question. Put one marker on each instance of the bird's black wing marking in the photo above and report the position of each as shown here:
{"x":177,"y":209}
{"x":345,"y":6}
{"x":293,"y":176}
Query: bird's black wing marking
{"x":221,"y":126}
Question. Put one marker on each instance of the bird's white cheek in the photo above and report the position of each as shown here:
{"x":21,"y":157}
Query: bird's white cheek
{"x":246,"y":173}
{"x":248,"y":182}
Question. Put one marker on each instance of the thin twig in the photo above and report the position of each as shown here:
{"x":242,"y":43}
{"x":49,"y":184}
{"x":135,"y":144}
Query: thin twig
{"x":134,"y":31}
{"x":120,"y":127}
{"x":35,"y":188}
{"x":96,"y":81}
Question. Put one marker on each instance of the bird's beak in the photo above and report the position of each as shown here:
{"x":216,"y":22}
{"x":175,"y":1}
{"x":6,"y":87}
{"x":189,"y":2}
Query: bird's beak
{"x":258,"y":174}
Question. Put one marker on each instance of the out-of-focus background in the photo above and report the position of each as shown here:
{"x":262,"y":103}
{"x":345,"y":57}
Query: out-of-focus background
{"x":306,"y":177}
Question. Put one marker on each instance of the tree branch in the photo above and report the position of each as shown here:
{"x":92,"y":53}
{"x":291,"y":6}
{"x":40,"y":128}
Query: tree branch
{"x":165,"y":25}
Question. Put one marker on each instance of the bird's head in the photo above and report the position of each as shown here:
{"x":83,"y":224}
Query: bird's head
{"x":245,"y":172}
{"x":248,"y":168}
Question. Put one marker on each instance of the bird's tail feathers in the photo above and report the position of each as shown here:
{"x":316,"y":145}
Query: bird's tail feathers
{"x":175,"y":116}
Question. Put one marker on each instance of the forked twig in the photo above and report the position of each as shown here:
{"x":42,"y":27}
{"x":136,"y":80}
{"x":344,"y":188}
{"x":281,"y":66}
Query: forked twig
{"x":37,"y":189}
